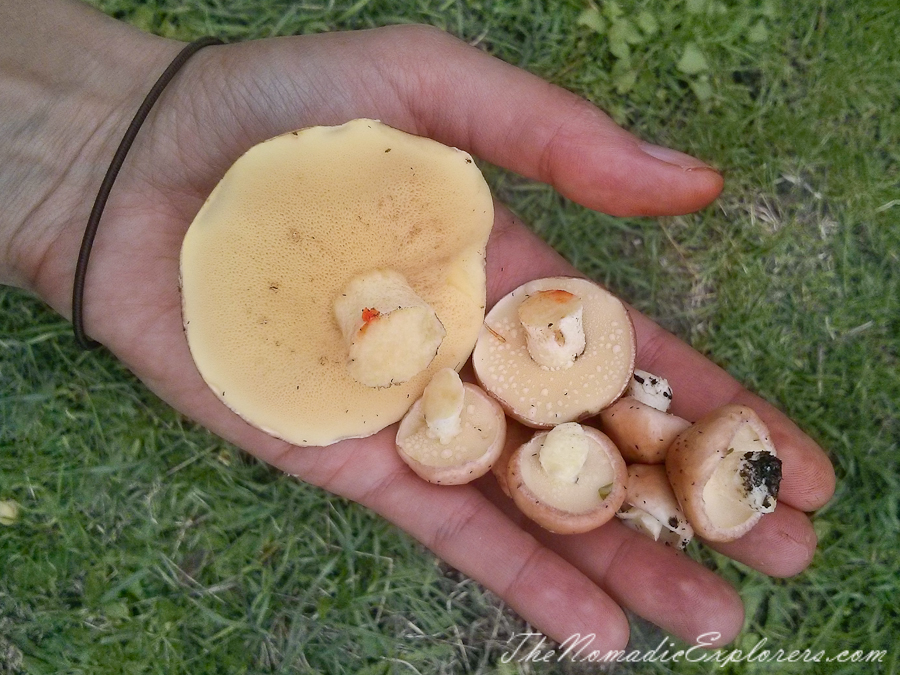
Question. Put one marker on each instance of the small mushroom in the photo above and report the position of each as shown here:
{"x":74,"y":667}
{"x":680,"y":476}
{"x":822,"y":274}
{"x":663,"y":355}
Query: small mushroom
{"x":454,"y":433}
{"x":555,"y":350}
{"x":638,"y":422}
{"x":643,"y":434}
{"x":331,"y":273}
{"x":570,"y":479}
{"x":725,"y":472}
{"x":651,"y":507}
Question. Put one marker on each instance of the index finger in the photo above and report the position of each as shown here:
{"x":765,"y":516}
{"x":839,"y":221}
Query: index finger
{"x":461,"y":96}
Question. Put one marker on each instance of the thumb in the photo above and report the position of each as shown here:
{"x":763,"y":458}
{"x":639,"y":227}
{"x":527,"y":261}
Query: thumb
{"x":463,"y":97}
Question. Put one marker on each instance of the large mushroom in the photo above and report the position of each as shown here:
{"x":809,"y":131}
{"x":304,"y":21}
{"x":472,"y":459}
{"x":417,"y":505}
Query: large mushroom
{"x":568,"y":480}
{"x":454,"y":433}
{"x":725,"y":472}
{"x":555,"y":350}
{"x":331,"y":273}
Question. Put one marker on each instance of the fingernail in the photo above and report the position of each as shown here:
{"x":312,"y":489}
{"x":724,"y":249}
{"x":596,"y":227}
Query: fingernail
{"x":674,"y":157}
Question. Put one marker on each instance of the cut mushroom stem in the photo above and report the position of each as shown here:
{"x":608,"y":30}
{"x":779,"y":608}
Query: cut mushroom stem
{"x":554,"y":499}
{"x":442,"y":404}
{"x":390,"y":332}
{"x":751,"y":477}
{"x":650,"y":390}
{"x":725,"y":472}
{"x":564,"y":452}
{"x":651,"y":507}
{"x":462,"y":456}
{"x":554,"y":330}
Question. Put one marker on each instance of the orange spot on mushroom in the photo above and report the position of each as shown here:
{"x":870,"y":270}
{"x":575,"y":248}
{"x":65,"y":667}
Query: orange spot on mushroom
{"x":369,"y":314}
{"x":558,"y":295}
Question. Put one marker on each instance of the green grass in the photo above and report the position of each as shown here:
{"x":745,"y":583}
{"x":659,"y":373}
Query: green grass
{"x":145,"y":544}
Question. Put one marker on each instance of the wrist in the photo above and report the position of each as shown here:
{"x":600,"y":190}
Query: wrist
{"x":70,"y":81}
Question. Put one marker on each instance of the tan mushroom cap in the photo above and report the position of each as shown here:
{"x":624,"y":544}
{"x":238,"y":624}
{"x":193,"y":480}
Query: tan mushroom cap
{"x":468,"y":455}
{"x":696,"y":466}
{"x":289,"y":225}
{"x":516,"y":436}
{"x":538,"y":396}
{"x":643,"y":434}
{"x":564,"y":507}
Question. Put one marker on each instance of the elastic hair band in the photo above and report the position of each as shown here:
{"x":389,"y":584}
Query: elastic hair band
{"x":110,"y":178}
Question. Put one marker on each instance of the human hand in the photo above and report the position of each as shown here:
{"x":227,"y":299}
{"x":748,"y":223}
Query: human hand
{"x":419,"y":80}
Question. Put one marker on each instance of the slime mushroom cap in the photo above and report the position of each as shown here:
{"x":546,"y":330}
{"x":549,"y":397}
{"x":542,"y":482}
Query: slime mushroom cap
{"x":541,"y":397}
{"x":286,"y":229}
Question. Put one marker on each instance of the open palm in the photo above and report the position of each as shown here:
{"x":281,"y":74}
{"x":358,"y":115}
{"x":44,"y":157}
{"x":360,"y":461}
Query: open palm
{"x":422,"y":81}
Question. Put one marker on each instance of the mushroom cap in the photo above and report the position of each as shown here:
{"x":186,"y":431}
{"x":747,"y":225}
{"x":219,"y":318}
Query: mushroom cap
{"x":649,"y":490}
{"x":694,"y":457}
{"x":288,"y":226}
{"x":516,"y":436}
{"x":542,"y":398}
{"x":568,"y":508}
{"x":641,"y":432}
{"x":469,"y":455}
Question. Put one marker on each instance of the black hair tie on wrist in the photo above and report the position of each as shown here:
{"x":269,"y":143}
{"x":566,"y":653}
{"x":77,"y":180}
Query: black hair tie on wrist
{"x":110,"y":178}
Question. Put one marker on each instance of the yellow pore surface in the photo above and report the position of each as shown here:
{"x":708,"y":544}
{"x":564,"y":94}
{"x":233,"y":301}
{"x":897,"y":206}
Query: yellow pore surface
{"x":288,"y":226}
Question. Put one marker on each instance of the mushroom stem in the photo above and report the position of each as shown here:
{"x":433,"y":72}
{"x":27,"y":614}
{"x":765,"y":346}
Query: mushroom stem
{"x":554,"y":331}
{"x":568,"y":507}
{"x":748,"y":473}
{"x":391,"y":333}
{"x":650,"y":390}
{"x":442,"y":404}
{"x":564,"y":452}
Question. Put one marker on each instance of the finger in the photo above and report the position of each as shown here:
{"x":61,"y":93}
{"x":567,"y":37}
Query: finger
{"x":781,"y":544}
{"x":700,"y":386}
{"x":461,"y":96}
{"x":457,"y":523}
{"x":424,"y":81}
{"x":467,"y":531}
{"x":656,"y":582}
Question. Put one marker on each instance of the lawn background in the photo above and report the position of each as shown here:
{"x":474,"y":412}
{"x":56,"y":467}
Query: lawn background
{"x":144,"y":544}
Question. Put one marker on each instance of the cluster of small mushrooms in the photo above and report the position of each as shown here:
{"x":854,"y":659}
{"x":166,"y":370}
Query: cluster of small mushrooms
{"x":333,"y":284}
